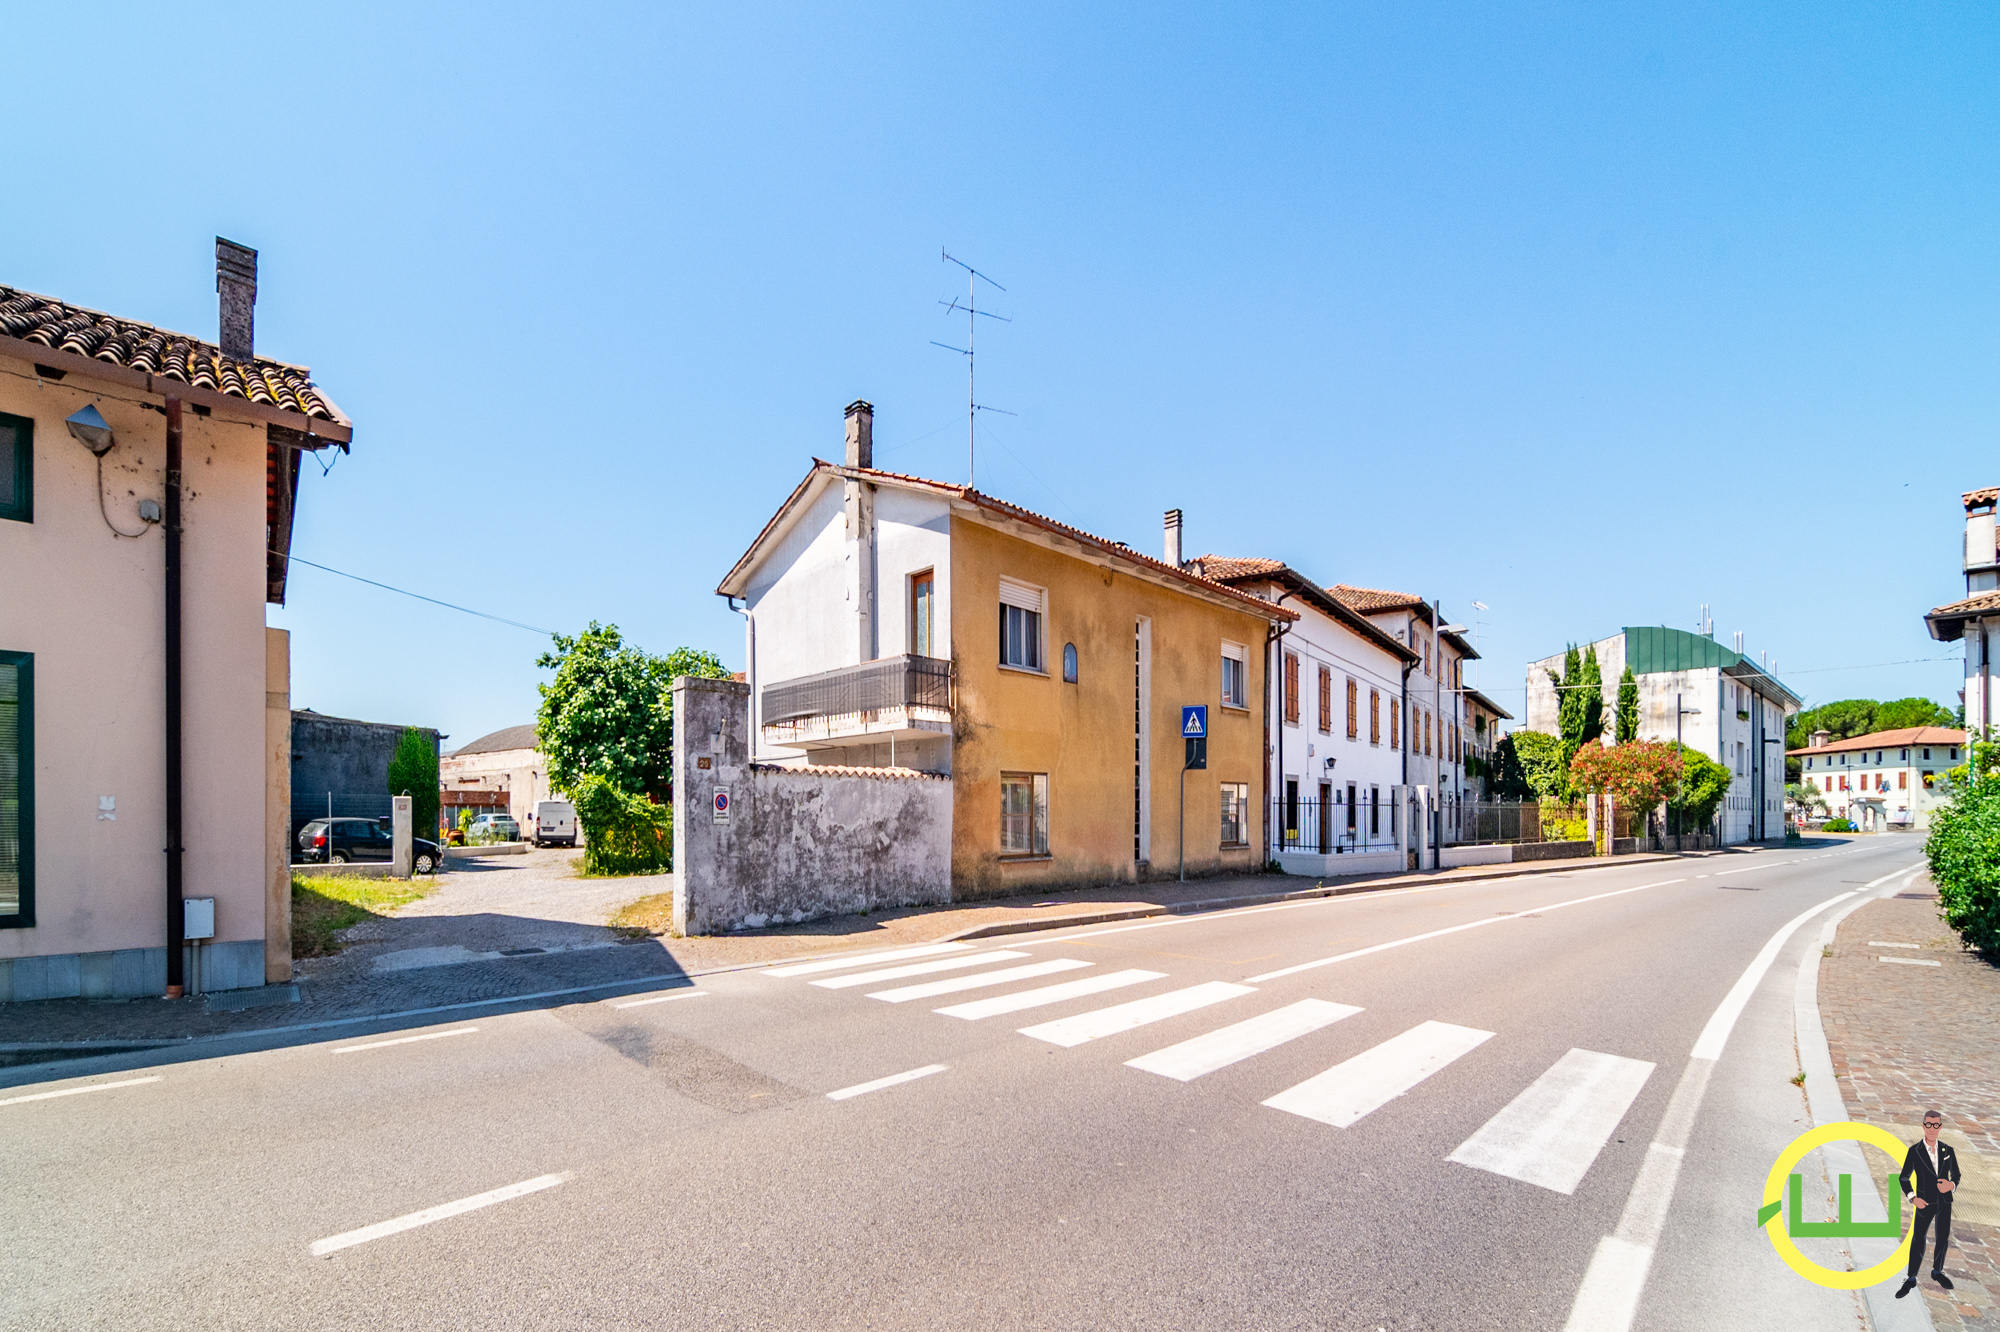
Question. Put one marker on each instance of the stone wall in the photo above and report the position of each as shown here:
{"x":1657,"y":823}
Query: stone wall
{"x":792,"y":844}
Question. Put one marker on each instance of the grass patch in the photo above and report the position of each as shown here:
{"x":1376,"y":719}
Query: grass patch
{"x":325,"y":904}
{"x":647,"y":916}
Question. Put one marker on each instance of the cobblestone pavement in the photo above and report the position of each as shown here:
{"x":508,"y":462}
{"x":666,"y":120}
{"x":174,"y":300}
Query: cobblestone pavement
{"x":1907,"y":1038}
{"x":509,"y":926}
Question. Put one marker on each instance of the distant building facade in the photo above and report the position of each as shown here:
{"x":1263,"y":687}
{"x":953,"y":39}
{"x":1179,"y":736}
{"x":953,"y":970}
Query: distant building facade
{"x":1884,"y":780}
{"x":340,"y":766}
{"x":1975,"y":619}
{"x":500,"y":773}
{"x":1710,"y":697}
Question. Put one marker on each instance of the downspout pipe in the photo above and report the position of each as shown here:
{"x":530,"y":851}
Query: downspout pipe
{"x":1409,"y":733}
{"x":176,"y":941}
{"x":1274,"y":638}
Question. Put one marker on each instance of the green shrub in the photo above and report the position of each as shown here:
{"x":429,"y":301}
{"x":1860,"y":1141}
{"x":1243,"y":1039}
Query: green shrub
{"x":623,"y":833}
{"x":1544,"y":766}
{"x":1704,"y":783}
{"x":1557,"y":829}
{"x":1964,"y":854}
{"x":413,"y":771}
{"x":1839,"y":825}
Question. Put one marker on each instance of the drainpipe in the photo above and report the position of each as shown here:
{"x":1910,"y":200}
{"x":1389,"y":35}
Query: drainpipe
{"x":1408,"y":733}
{"x":1274,"y":638}
{"x":175,"y":925}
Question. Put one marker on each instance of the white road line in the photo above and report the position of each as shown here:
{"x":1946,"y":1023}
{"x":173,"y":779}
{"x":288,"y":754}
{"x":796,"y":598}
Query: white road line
{"x":661,"y":999}
{"x":1608,"y":1299}
{"x":931,"y":989}
{"x":405,"y":1040}
{"x":1454,"y":929}
{"x":863,"y":1088}
{"x":1909,"y":961}
{"x":1346,"y":1092}
{"x":1551,"y":1133}
{"x":1720,"y":1023}
{"x":916,"y":969}
{"x":1049,"y":994}
{"x":865,"y":959}
{"x":77,"y":1091}
{"x":1228,"y":1045}
{"x":1884,"y":943}
{"x":1074,"y":1031}
{"x":396,"y":1225}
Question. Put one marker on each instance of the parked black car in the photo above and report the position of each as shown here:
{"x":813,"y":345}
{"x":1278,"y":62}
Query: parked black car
{"x":338,"y":841}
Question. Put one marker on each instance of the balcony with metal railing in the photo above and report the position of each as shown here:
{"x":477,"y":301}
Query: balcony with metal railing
{"x":905,"y":697}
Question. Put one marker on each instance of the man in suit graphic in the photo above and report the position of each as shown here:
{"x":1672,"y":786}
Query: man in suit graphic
{"x":1929,"y":1176}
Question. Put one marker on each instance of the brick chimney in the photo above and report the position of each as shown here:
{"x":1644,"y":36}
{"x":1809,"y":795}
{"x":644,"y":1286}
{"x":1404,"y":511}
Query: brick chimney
{"x":1173,"y":552}
{"x":236,"y":281}
{"x":1982,"y":561}
{"x":1819,"y":739}
{"x":860,"y":433}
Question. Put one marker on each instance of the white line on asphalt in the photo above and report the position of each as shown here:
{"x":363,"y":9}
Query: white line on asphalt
{"x":931,"y":989}
{"x":661,"y":999}
{"x":1608,"y":1299}
{"x":865,"y":959}
{"x":1720,"y":1023}
{"x":1551,"y":1133}
{"x":1884,"y":943}
{"x":1074,"y":1031}
{"x":410,"y":1221}
{"x":77,"y":1091}
{"x":1909,"y":961}
{"x":917,"y":969}
{"x":1454,"y":929}
{"x":863,"y":1088}
{"x":1228,"y":1045}
{"x":1347,"y":1092}
{"x":405,"y":1040}
{"x":1049,"y":994}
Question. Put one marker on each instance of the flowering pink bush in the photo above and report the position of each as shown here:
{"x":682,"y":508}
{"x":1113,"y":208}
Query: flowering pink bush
{"x":1637,"y":775}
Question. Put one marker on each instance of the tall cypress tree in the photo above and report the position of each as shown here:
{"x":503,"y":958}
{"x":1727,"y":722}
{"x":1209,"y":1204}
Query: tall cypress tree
{"x":1628,"y":707}
{"x":1570,"y":710}
{"x":1593,"y":696}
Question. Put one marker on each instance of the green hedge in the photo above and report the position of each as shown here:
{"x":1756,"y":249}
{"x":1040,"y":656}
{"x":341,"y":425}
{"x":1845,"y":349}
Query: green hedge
{"x":1964,"y":855}
{"x":623,"y":833}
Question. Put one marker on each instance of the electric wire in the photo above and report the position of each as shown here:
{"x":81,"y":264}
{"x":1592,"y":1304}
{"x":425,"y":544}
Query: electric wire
{"x":402,"y":591}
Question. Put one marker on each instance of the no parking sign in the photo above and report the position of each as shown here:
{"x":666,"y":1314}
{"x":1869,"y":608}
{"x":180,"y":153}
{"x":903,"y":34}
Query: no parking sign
{"x":721,"y":805}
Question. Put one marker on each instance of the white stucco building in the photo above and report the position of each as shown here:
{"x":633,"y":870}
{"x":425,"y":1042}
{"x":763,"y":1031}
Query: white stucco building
{"x":1975,"y":619}
{"x":1883,"y":780}
{"x":1709,"y":697}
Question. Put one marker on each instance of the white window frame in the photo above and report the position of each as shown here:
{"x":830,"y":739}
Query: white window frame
{"x":1240,"y":791}
{"x":1035,"y":601}
{"x":1239,"y":654}
{"x":1036,"y":843}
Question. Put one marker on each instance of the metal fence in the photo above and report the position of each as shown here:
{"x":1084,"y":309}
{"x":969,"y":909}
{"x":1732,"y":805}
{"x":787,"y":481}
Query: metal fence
{"x":307,"y":806}
{"x":1334,"y":827}
{"x":873,"y":686}
{"x":1494,"y":822}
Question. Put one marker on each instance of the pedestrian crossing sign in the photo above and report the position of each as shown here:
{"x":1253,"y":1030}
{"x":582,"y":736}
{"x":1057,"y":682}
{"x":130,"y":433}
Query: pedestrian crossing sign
{"x":1194,"y":722}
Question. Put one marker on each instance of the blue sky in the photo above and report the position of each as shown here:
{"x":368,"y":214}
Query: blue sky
{"x":1588,"y":313}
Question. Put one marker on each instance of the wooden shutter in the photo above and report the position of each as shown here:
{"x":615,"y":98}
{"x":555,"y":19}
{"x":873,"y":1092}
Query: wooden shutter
{"x":1374,"y":716}
{"x":1353,"y":709}
{"x":1395,"y":724}
{"x":1325,"y":701}
{"x":1291,"y":688}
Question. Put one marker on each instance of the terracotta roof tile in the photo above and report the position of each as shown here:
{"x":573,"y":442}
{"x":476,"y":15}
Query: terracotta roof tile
{"x":842,"y":770}
{"x":1985,"y":495}
{"x":1976,"y":604}
{"x":102,"y":337}
{"x":1225,"y":568}
{"x":1369,"y":600}
{"x":1908,"y":735}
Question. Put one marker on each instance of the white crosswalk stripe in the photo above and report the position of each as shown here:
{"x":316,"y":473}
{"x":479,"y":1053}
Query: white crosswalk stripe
{"x":1345,"y":1093}
{"x":1551,"y":1133}
{"x":916,"y":969}
{"x":1232,"y":1044}
{"x":1073,"y":1031}
{"x":866,"y":959}
{"x":1005,"y":976}
{"x":1050,"y":994}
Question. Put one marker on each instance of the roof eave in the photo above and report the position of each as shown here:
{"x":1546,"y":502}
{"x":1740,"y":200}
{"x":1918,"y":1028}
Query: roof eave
{"x":340,"y":431}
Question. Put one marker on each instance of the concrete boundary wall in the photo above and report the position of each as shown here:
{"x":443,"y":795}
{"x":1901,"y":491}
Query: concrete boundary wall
{"x":758,"y":845}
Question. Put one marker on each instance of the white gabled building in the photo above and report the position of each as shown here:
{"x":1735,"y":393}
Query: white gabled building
{"x":1335,"y":724}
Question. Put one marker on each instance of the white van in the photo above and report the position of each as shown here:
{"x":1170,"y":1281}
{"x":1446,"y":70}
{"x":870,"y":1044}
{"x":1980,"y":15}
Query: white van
{"x":552,"y":823}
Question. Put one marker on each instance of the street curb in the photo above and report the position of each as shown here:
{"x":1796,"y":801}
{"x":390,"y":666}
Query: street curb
{"x":1005,"y":927}
{"x":1826,"y":1105}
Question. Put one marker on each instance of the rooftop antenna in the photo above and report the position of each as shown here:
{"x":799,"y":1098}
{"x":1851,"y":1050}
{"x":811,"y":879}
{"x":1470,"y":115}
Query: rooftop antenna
{"x":973,"y":314}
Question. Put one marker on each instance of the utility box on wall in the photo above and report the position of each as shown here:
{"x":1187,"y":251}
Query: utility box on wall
{"x":198,"y":917}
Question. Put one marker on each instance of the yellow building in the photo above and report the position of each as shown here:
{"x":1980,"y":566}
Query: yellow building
{"x":897,"y":621}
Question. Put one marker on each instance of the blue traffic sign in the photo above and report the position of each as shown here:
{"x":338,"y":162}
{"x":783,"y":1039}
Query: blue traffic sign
{"x":1194,"y":722}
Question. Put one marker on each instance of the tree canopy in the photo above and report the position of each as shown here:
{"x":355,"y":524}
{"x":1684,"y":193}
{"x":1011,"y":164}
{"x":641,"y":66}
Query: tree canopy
{"x":1540,"y":760}
{"x":413,"y":771}
{"x":1638,"y":775}
{"x":608,"y":713}
{"x":1859,"y":716}
{"x":1628,"y":707}
{"x":1704,"y":783}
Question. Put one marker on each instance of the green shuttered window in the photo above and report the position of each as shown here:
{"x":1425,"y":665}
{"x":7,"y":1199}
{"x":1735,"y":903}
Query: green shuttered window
{"x":17,"y":790}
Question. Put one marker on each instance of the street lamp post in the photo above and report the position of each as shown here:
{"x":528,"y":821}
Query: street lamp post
{"x":1681,"y":711}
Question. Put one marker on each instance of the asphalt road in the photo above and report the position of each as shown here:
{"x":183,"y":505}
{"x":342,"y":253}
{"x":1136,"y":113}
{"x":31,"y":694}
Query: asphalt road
{"x":680,"y":1164}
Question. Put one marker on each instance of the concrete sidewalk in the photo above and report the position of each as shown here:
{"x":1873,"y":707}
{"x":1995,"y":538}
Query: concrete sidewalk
{"x":1906,"y":1038}
{"x":419,"y":960}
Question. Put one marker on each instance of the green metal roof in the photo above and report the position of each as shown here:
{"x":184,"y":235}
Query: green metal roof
{"x":1653,"y":648}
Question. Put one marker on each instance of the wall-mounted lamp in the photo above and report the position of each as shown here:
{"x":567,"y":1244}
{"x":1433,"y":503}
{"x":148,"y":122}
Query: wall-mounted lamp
{"x":92,"y":430}
{"x":1330,"y":762}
